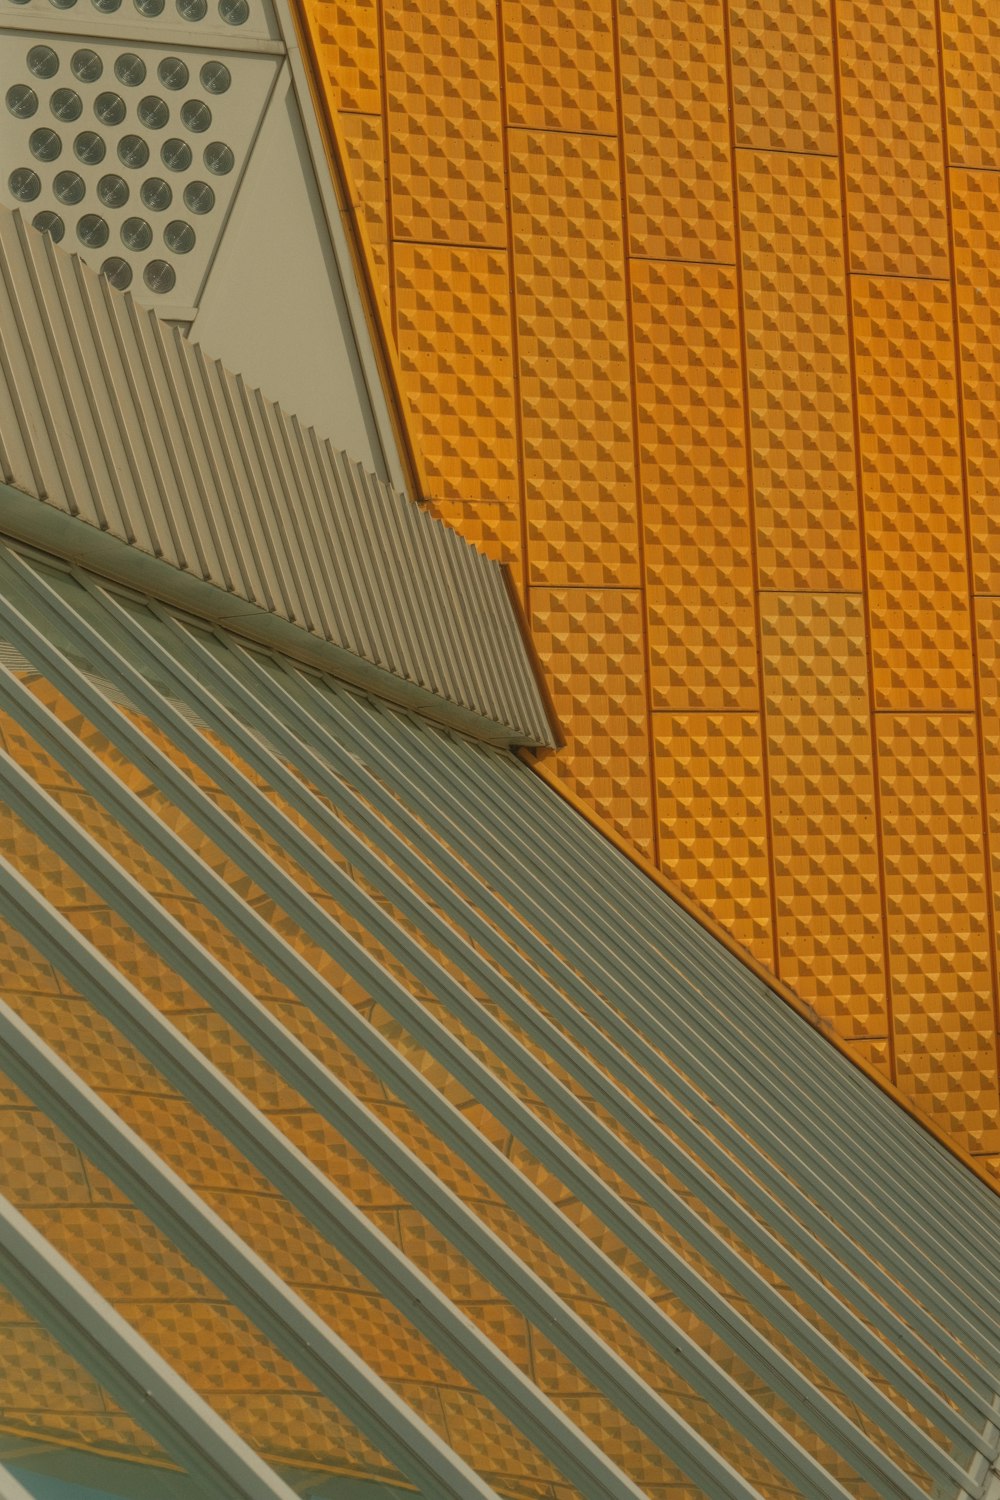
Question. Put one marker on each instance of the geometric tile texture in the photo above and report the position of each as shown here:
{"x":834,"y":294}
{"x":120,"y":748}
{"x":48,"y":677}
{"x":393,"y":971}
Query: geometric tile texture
{"x":698,"y":313}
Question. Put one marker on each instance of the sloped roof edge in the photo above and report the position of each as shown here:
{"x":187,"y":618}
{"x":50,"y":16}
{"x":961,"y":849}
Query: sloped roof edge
{"x":113,"y":419}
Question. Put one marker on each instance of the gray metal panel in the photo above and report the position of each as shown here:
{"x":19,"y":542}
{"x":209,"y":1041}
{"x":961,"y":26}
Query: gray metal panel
{"x":59,"y":1298}
{"x":112,"y":416}
{"x":545,"y":945}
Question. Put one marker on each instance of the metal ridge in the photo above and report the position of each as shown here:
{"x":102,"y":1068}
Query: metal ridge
{"x":186,"y":481}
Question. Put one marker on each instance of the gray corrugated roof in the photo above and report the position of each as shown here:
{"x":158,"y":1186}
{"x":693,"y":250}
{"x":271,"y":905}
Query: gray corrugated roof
{"x":111,"y":416}
{"x":625,"y":1219}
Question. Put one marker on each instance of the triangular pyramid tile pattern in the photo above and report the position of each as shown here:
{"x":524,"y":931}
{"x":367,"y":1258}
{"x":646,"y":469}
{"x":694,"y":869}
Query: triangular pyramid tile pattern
{"x":737,"y":344}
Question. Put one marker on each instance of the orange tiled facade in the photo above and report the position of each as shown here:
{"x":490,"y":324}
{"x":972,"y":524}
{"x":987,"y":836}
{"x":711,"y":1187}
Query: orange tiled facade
{"x":697,"y":308}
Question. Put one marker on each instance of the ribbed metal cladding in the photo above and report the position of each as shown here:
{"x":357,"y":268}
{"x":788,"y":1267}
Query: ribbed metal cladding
{"x":561,"y":1194}
{"x":109,"y":415}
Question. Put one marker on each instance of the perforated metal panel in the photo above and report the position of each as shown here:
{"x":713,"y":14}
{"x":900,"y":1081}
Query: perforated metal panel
{"x":129,"y":149}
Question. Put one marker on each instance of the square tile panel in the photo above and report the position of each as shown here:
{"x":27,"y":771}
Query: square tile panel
{"x":675,"y":116}
{"x":696,"y":516}
{"x":444,"y":121}
{"x":559,"y":63}
{"x":453,"y":319}
{"x":893,"y":144}
{"x":784,"y":91}
{"x":363,"y":140}
{"x":572,"y":333}
{"x":593,"y":646}
{"x":823,"y":811}
{"x":912,"y":481}
{"x":347,"y":41}
{"x":975,"y":212}
{"x":710,"y":801}
{"x":970,"y":48}
{"x":939,"y":950}
{"x":798,"y":368}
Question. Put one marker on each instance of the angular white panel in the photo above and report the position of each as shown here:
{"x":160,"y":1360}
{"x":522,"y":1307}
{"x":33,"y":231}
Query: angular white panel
{"x":130,"y":152}
{"x":273,"y":306}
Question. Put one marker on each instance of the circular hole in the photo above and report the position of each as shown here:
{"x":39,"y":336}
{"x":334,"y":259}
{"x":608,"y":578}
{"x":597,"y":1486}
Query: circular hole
{"x":199,"y":197}
{"x":25,"y":185}
{"x":215,"y":77}
{"x":133,"y":151}
{"x":173,"y":73}
{"x":196,"y":115}
{"x":159,"y":276}
{"x":175,"y":155}
{"x":219,"y":159}
{"x":153,"y":112}
{"x":65,"y":104}
{"x":136,"y":234}
{"x":179,"y":237}
{"x":156,"y":194}
{"x":149,"y":7}
{"x":113,"y":191}
{"x":69,"y":187}
{"x":86,"y":65}
{"x":106,"y":7}
{"x":92,"y":231}
{"x":117,"y":271}
{"x":110,"y":109}
{"x":51,"y":224}
{"x":44,"y":144}
{"x":192,"y":10}
{"x":62,"y":4}
{"x":89,"y":148}
{"x":234,"y":12}
{"x":22,"y":101}
{"x":130,"y":70}
{"x":43,"y":62}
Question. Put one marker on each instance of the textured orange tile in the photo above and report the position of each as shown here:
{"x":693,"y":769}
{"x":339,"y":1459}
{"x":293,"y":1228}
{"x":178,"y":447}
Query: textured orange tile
{"x":875,"y":1052}
{"x":712,"y":819}
{"x":453,"y":318}
{"x":893,"y":148}
{"x":676,"y":129}
{"x":346,"y":36}
{"x":823,"y":809}
{"x":574,"y":363}
{"x":798,"y":360}
{"x":988,"y":636}
{"x":362,"y":136}
{"x":784,"y":93}
{"x":914,"y":513}
{"x":591,"y":643}
{"x":560,"y":66}
{"x":940,"y":973}
{"x":699,"y":577}
{"x":444,"y":121}
{"x":970,"y":44}
{"x":494,"y":529}
{"x":975,"y":207}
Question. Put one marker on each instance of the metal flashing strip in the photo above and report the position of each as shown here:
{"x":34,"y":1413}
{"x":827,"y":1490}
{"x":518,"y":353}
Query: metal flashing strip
{"x":129,"y":1368}
{"x":11,"y":1488}
{"x":675,"y":1159}
{"x":112,"y":418}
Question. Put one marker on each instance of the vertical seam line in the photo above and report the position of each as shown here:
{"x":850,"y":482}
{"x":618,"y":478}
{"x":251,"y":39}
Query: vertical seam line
{"x":751,"y":505}
{"x":991,"y":925}
{"x":863,"y":549}
{"x":636,"y":445}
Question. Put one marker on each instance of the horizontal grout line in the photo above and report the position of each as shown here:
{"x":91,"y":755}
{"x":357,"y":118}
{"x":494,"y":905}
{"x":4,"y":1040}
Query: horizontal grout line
{"x":901,"y":276}
{"x":679,"y":260}
{"x":817,"y":593}
{"x":591,"y":135}
{"x":788,"y":151}
{"x":402,"y":239}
